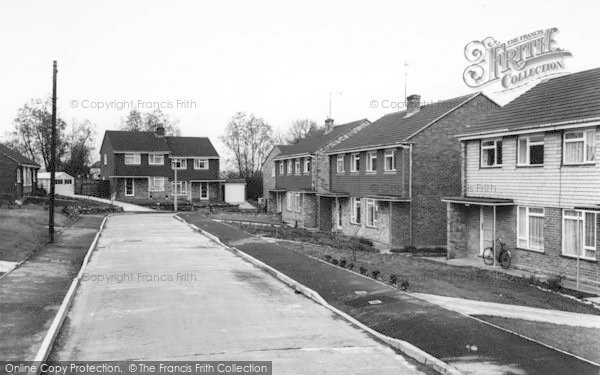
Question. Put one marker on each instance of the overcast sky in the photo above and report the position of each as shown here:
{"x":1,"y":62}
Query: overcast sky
{"x":277,"y":59}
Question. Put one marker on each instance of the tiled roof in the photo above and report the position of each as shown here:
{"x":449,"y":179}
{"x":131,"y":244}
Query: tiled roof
{"x":397,"y":127}
{"x":568,"y":98}
{"x":16,"y":156}
{"x":148,"y":141}
{"x":313,"y":144}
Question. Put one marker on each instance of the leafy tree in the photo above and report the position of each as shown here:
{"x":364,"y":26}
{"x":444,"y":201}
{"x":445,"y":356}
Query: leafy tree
{"x":249,"y":138}
{"x":148,"y":121}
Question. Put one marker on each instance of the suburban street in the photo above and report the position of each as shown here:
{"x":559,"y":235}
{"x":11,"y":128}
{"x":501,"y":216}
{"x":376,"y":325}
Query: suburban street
{"x":157,"y":290}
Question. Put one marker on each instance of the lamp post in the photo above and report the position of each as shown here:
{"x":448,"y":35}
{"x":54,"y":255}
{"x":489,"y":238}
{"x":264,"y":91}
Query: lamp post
{"x":175,"y":190}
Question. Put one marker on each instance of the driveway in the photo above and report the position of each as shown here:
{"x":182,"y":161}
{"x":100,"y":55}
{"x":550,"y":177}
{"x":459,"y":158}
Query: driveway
{"x":156,"y":290}
{"x":127,"y":207}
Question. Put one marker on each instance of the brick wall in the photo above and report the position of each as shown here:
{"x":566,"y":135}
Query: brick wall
{"x":307,"y":217}
{"x":456,"y":222}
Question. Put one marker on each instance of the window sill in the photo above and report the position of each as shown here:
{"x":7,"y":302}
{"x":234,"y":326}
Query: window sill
{"x":580,"y":258}
{"x":587,"y":164}
{"x":155,"y":165}
{"x":132,"y":163}
{"x":530,"y":165}
{"x":371,"y":173}
{"x":490,"y":166}
{"x":371,"y":226}
{"x":354,"y":223}
{"x":204,"y":169}
{"x":531,"y":250}
{"x":355,"y":172}
{"x":393,"y":171}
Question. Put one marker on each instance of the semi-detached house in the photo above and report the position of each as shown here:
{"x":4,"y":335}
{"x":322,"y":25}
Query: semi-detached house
{"x":386,"y":180}
{"x":302,"y":172}
{"x":531,"y":178}
{"x":151,"y":167}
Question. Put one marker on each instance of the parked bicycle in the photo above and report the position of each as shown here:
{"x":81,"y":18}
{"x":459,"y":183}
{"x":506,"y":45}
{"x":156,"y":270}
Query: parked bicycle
{"x":503,"y":257}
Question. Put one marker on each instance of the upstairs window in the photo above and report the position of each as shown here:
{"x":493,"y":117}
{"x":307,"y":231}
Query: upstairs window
{"x":579,"y":147}
{"x":491,"y":153}
{"x":531,"y":150}
{"x":340,"y":164}
{"x":307,"y":165}
{"x":390,"y":161}
{"x":371,"y":161}
{"x":156,"y":159}
{"x":355,"y":163}
{"x":200,"y":163}
{"x":132,"y":159}
{"x":289,"y":167}
{"x":281,"y":168}
{"x":297,"y":166}
{"x":178,"y":163}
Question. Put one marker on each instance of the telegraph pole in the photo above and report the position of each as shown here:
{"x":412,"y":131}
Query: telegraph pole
{"x":175,"y":189}
{"x":52,"y":155}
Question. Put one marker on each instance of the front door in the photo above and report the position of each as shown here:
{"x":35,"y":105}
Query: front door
{"x":487,"y":228}
{"x":204,"y":191}
{"x":129,"y":187}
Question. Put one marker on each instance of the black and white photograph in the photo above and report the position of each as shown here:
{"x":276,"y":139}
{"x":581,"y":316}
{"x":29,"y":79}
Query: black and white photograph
{"x":278,"y":187}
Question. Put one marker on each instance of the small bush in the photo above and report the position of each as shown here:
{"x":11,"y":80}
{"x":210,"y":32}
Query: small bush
{"x":394,"y":279}
{"x":555,"y":283}
{"x":334,"y":262}
{"x":350,"y":266}
{"x":362,"y":270}
{"x":405,"y":285}
{"x":343,"y":263}
{"x":328,"y":258}
{"x":375,"y":274}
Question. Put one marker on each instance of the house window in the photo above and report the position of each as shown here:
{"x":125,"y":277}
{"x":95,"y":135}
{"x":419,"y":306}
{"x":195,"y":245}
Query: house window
{"x":178,"y":163}
{"x":200,"y":163}
{"x":179,"y":188}
{"x":340,"y":164}
{"x":273,"y":171}
{"x":297,"y":202}
{"x":26,"y":176}
{"x":204,"y":190}
{"x":18,"y":175}
{"x":281,"y":168}
{"x":129,"y":187}
{"x":531,"y":150}
{"x":390,"y":161}
{"x":156,"y":184}
{"x":307,"y":165}
{"x":355,"y":165}
{"x":579,"y":147}
{"x":371,"y":212}
{"x":290,"y":199}
{"x":579,"y":234}
{"x":371,"y":161}
{"x":355,"y":216}
{"x":530,"y":228}
{"x":491,"y":153}
{"x":105,"y":159}
{"x":297,"y":166}
{"x":132,"y":159}
{"x":156,"y":159}
{"x":289,"y":167}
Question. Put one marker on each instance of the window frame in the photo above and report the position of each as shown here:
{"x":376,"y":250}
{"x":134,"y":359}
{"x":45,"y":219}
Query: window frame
{"x":371,"y":222}
{"x":387,"y":156}
{"x":494,"y":147}
{"x":527,"y":162}
{"x":152,"y":186}
{"x":132,"y":187}
{"x":582,"y":216}
{"x":584,"y":140}
{"x":203,"y":184}
{"x":137,"y":158}
{"x":354,"y":158}
{"x":182,"y":164}
{"x":105,"y":159}
{"x":297,"y":169}
{"x":197,"y":163}
{"x":526,"y":236}
{"x":356,"y":208}
{"x":297,"y":202}
{"x":151,"y":156}
{"x":183,"y":190}
{"x":340,"y":158}
{"x":281,"y":167}
{"x":371,"y":162}
{"x":19,"y":175}
{"x":289,"y":200}
{"x":306,"y":166}
{"x":288,"y":167}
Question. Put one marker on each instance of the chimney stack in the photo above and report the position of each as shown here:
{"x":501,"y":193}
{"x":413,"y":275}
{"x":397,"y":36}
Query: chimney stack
{"x":328,"y":125}
{"x":413,"y":104}
{"x":160,"y":131}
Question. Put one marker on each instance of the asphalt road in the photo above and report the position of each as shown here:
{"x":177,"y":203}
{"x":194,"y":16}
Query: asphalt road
{"x":156,"y":290}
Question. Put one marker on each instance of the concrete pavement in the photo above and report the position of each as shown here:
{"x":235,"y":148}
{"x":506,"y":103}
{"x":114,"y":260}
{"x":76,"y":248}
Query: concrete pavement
{"x":127,"y":207}
{"x":31,"y":294}
{"x":471,"y":307}
{"x":157,"y":290}
{"x":467,"y":344}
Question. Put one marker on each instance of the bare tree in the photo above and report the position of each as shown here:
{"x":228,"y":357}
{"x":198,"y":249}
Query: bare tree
{"x":249,"y":138}
{"x":300,"y":129}
{"x":148,"y":121}
{"x":80,"y":146}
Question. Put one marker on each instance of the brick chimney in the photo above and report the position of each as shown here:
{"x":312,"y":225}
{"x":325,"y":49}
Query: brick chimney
{"x":160,"y":131}
{"x":413,"y":104}
{"x":328,"y":125}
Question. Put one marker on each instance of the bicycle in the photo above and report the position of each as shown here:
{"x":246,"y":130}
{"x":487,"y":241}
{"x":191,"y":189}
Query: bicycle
{"x":503,"y":257}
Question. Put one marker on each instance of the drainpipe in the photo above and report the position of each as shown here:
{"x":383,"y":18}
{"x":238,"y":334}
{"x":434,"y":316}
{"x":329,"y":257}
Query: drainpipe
{"x":410,"y":195}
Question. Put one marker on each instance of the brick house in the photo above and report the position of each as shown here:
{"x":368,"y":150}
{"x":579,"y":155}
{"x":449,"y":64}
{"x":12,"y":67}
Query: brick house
{"x":531,"y":178}
{"x":269,"y":179}
{"x":18,"y":174}
{"x":387,"y":179}
{"x":302,"y":171}
{"x":141,"y":167}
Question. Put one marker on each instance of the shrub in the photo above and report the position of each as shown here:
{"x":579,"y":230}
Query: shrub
{"x":555,"y":283}
{"x":334,"y":262}
{"x":394,"y":279}
{"x":375,"y":274}
{"x":328,"y":258}
{"x":350,"y":266}
{"x":362,"y":270}
{"x":405,"y":285}
{"x":343,"y":262}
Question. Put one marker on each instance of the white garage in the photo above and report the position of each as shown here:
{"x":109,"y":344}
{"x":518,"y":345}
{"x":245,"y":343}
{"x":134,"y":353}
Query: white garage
{"x":235,"y":191}
{"x":63,"y":183}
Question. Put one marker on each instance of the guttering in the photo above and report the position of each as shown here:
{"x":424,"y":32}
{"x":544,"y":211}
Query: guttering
{"x":192,"y":157}
{"x":594,"y":121}
{"x":370,"y":148}
{"x":293,"y":156}
{"x":141,"y":152}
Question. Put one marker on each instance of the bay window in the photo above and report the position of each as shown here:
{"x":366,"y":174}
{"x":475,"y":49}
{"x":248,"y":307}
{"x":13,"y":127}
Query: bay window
{"x":371,"y":161}
{"x":355,"y":206}
{"x":390,"y":161}
{"x":579,"y":147}
{"x":491,"y":153}
{"x":530,"y":150}
{"x":579,"y":234}
{"x":530,"y":228}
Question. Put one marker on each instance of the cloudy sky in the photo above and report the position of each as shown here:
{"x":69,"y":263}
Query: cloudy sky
{"x":203,"y":61}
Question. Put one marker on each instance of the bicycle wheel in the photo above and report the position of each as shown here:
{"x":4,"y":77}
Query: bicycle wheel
{"x":488,"y":256}
{"x":505,"y":259}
